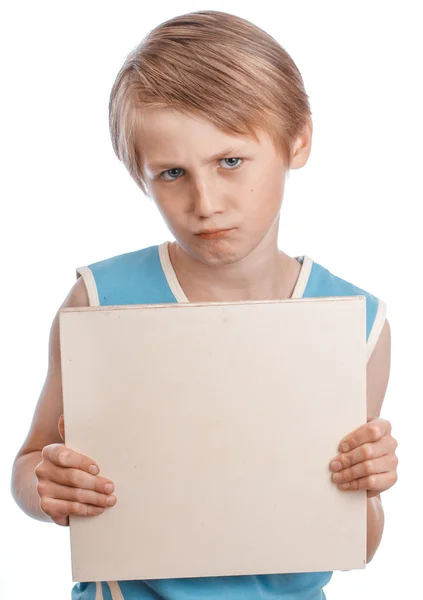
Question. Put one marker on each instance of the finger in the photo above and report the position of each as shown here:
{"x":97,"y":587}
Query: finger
{"x":364,"y":452}
{"x":74,"y":478}
{"x":372,"y":431}
{"x":62,"y":492}
{"x":62,"y":508}
{"x":61,"y":427}
{"x":62,"y":456}
{"x":374,"y":484}
{"x":383,"y":464}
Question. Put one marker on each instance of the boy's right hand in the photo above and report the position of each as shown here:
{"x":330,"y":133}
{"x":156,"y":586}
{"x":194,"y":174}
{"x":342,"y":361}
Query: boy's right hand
{"x":66,"y":485}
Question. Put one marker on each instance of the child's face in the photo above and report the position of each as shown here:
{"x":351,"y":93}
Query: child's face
{"x":196,"y":193}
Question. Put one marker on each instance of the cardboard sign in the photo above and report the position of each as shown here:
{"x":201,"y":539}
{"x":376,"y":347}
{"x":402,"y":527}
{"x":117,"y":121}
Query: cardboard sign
{"x":217,"y":423}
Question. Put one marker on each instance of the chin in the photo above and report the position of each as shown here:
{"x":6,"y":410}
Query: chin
{"x":217,"y":252}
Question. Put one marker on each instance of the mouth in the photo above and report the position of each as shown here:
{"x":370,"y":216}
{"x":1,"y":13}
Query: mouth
{"x":215,"y":233}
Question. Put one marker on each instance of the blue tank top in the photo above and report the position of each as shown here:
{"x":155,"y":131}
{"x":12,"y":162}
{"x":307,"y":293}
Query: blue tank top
{"x":146,"y":276}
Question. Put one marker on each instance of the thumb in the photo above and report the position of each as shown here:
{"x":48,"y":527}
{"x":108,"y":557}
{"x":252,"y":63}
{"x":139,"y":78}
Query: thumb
{"x":61,"y":426}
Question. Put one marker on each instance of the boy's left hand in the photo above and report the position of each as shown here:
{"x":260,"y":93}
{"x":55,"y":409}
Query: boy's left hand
{"x":369,"y":463}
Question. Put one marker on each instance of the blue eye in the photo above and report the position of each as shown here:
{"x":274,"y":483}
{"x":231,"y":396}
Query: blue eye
{"x":169,"y":171}
{"x":235,"y":166}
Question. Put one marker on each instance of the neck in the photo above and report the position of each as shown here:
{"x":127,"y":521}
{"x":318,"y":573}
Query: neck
{"x":265,"y":274}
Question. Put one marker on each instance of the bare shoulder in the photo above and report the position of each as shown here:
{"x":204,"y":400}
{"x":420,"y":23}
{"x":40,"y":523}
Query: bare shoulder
{"x":44,"y":426}
{"x":77,"y":296}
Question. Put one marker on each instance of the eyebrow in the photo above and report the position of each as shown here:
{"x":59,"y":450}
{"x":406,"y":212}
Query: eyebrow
{"x":168,"y":164}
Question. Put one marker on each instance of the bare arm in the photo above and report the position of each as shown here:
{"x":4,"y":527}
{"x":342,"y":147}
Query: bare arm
{"x":366,"y":458}
{"x":378,"y":370}
{"x":44,"y":427}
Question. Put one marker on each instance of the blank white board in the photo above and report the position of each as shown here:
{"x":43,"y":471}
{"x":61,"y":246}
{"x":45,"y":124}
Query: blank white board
{"x":217,"y":423}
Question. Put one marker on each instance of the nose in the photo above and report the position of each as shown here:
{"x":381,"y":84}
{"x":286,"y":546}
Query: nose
{"x":206,"y":200}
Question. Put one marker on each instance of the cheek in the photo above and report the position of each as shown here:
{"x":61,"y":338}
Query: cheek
{"x":173,"y":215}
{"x":265,"y":200}
{"x":165,"y":209}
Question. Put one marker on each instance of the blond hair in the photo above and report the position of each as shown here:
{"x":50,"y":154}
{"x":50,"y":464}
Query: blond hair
{"x":214,"y":65}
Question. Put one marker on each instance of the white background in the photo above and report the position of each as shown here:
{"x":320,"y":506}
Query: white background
{"x":66,"y":201}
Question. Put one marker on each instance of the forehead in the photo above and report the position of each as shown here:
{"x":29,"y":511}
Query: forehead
{"x":166,"y":133}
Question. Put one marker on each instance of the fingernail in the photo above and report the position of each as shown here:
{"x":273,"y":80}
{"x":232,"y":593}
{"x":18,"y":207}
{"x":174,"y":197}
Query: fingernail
{"x":344,"y":447}
{"x":336,"y":465}
{"x":108,"y":488}
{"x":93,"y":470}
{"x":345,"y":486}
{"x":337,"y":477}
{"x":111,"y":500}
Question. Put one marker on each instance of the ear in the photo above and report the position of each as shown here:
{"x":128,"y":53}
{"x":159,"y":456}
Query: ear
{"x":302,"y":146}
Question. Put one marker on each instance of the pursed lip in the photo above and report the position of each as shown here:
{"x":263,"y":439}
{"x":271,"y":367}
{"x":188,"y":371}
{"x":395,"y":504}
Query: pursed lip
{"x":213,"y":233}
{"x":214,"y":230}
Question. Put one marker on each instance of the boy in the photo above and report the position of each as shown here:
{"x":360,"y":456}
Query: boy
{"x":208,"y":114}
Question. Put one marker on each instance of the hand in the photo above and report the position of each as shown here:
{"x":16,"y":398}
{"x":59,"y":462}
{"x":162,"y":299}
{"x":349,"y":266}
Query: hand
{"x":68,"y":483}
{"x":367,"y":460}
